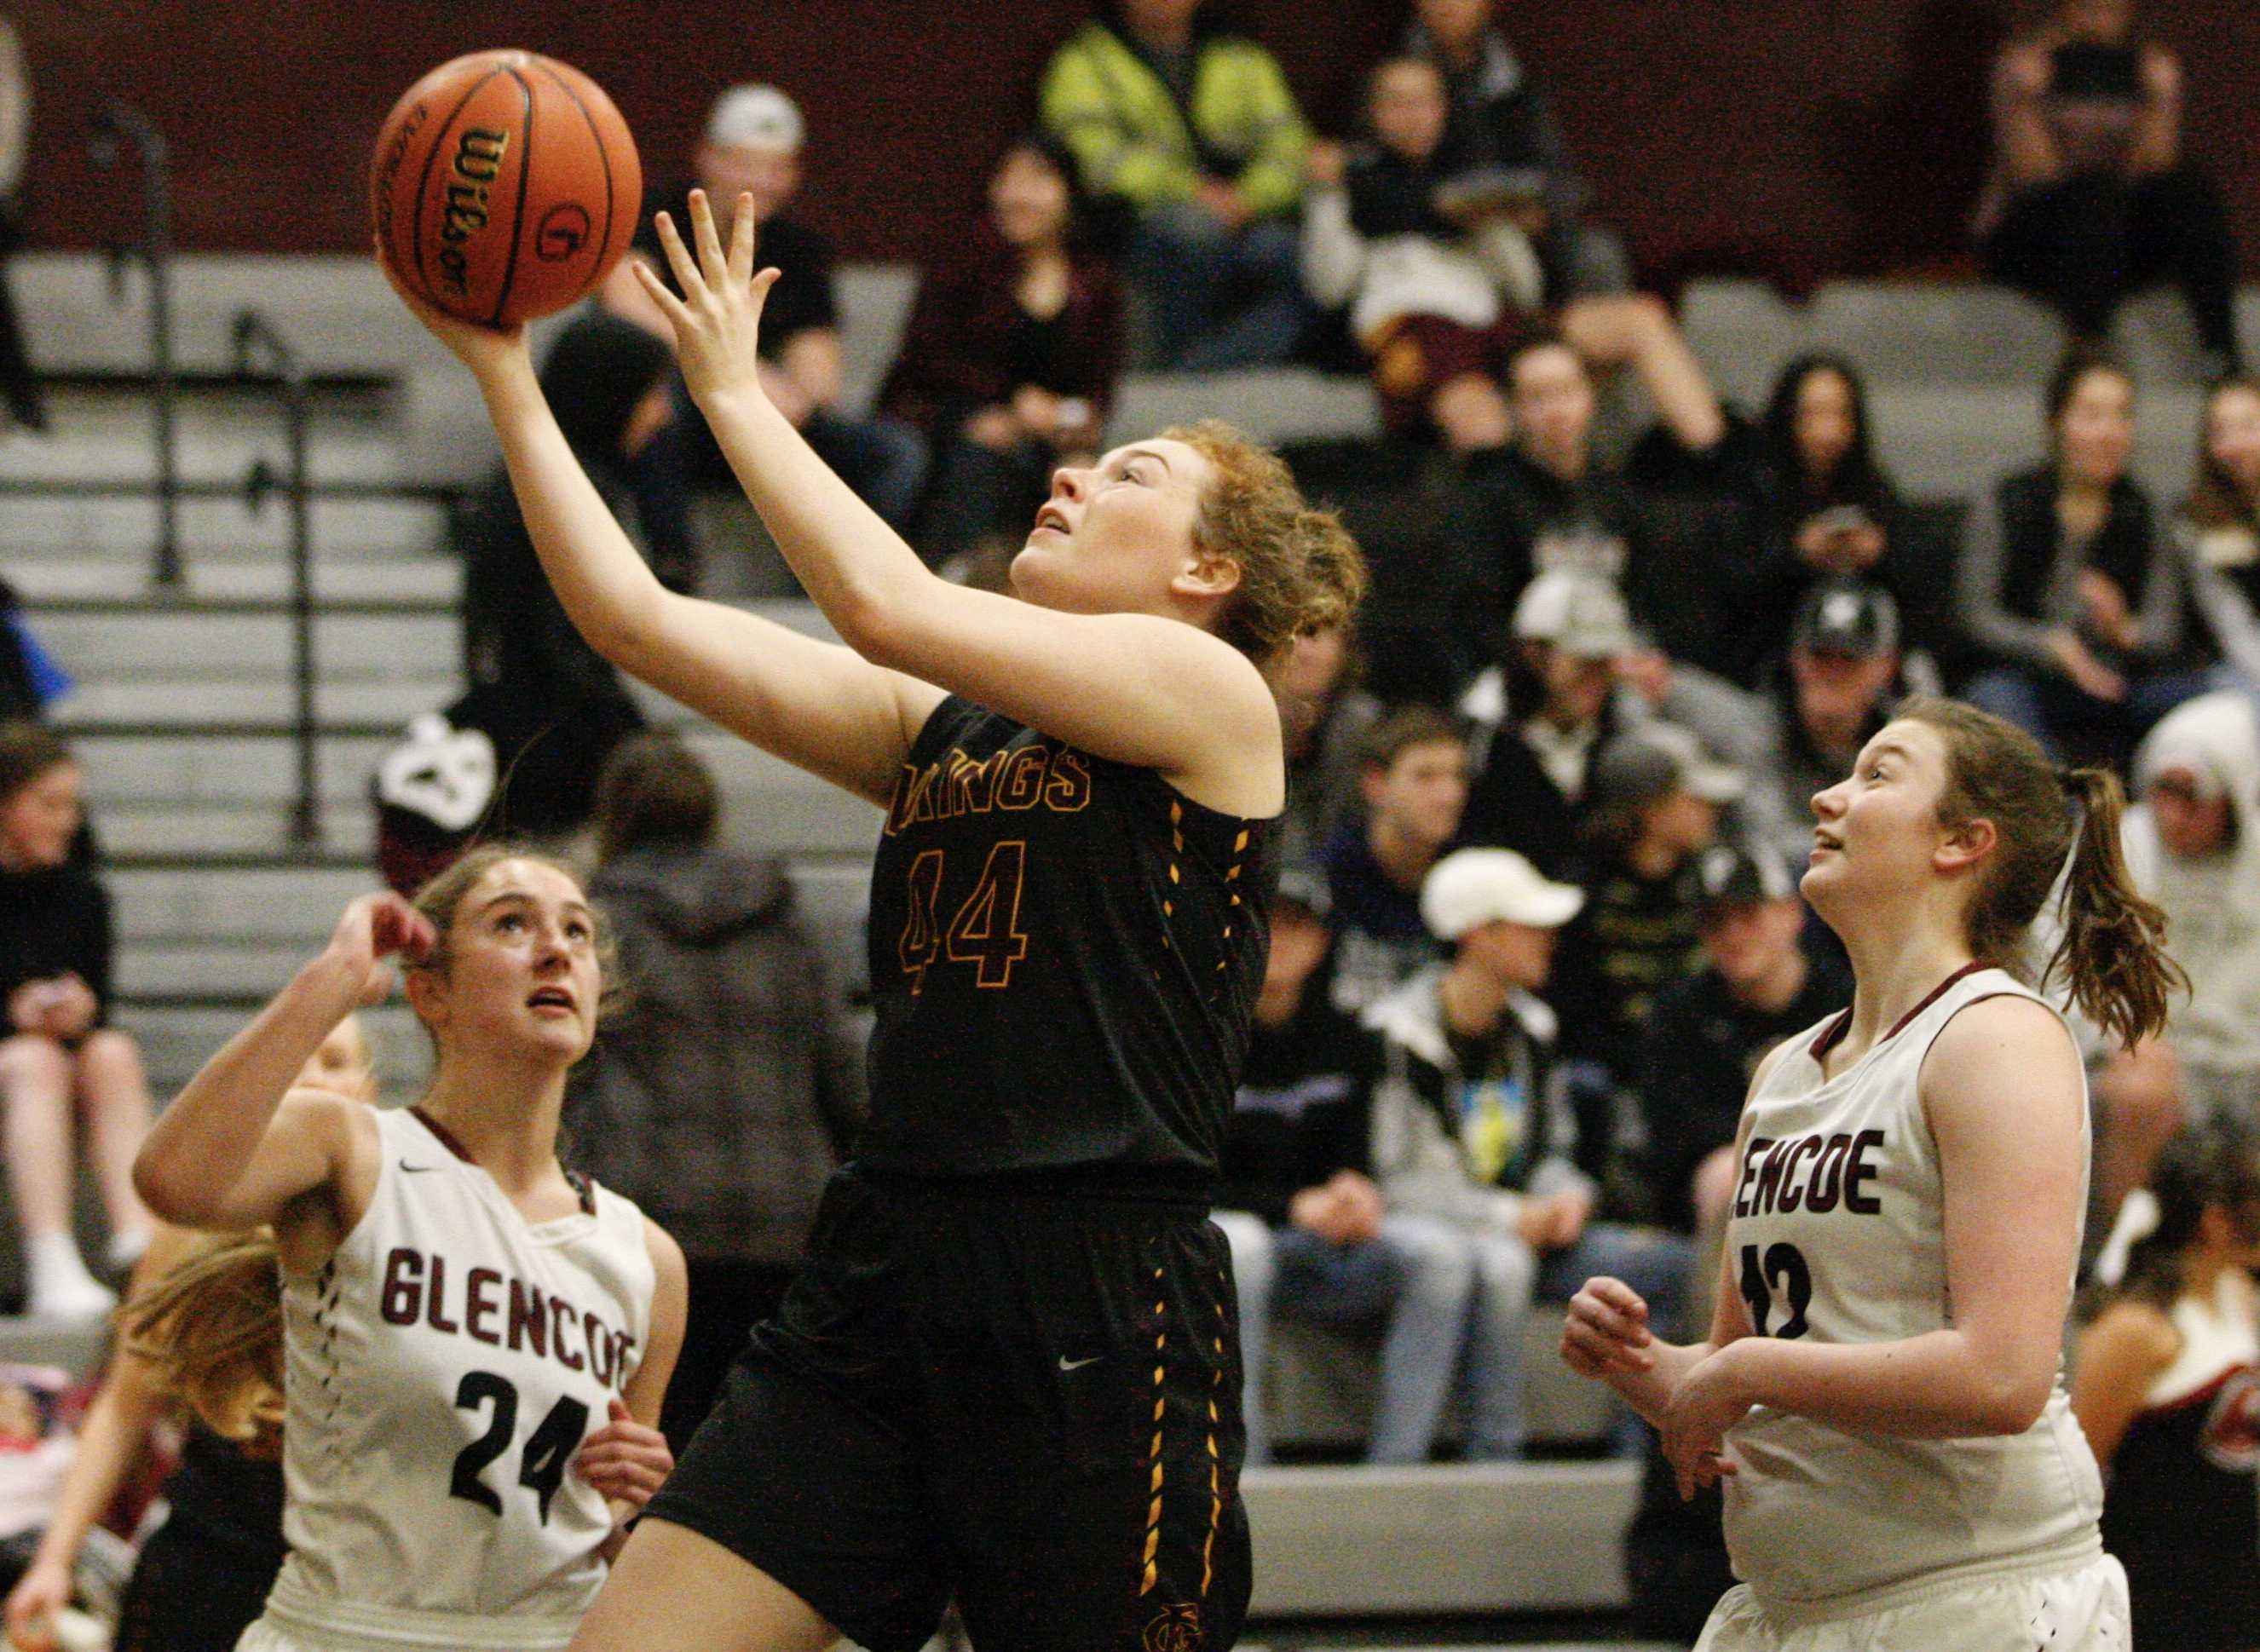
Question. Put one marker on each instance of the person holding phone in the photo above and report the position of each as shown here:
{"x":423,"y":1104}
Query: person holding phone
{"x":2090,"y":196}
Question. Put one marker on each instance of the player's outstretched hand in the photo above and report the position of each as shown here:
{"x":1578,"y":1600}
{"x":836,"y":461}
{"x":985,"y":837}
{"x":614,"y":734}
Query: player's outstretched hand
{"x":373,"y":929}
{"x":718,"y":320}
{"x":1607,"y":1333}
{"x":1705,"y":1405}
{"x":625,"y":1460}
{"x":484,"y":350}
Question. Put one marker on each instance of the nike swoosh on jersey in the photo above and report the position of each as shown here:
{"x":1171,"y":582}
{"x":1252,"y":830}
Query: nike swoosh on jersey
{"x":416,"y":1170}
{"x":1067,"y":1364}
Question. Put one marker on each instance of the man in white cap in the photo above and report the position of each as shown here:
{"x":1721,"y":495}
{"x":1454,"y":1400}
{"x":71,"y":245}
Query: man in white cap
{"x":1472,"y":1126}
{"x":752,"y":145}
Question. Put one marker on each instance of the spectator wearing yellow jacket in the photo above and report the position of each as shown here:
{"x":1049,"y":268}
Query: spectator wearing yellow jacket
{"x":1192,"y":132}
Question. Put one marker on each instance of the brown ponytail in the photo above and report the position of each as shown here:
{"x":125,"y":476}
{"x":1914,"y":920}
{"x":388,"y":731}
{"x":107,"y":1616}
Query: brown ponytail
{"x":2113,"y":955}
{"x":1299,"y":568}
{"x":210,"y":1329}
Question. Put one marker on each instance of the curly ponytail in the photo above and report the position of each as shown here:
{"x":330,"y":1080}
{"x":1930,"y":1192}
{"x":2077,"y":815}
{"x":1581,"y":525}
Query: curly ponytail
{"x":2113,"y":955}
{"x":1299,"y":568}
{"x":2113,"y":952}
{"x":210,"y":1329}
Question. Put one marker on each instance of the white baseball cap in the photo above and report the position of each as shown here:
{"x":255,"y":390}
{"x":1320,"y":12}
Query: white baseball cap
{"x":754,"y":117}
{"x":1579,"y":613}
{"x":1470,"y":888}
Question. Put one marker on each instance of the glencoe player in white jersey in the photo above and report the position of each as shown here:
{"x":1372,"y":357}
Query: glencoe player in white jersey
{"x":1881,"y":1388}
{"x":475,"y":1343}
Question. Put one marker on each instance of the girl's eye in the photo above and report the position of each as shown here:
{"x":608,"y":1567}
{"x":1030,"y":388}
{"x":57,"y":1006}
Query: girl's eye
{"x":579,"y":932}
{"x":509,"y":921}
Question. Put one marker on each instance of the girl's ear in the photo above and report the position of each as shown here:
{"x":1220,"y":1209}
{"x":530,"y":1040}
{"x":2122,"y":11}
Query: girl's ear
{"x":1965,"y":845}
{"x":1209,"y":575}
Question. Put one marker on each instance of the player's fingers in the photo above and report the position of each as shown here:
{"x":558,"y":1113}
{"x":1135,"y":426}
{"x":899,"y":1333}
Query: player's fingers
{"x":680,"y":260}
{"x":669,"y":305}
{"x":1604,"y":1319}
{"x":1618,"y":1294}
{"x":714,"y":262}
{"x":741,"y":241}
{"x":1608,"y":1353}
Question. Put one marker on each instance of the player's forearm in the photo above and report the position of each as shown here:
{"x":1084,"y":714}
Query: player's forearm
{"x":611,"y":596}
{"x":200,"y":1147}
{"x":1938,"y":1386}
{"x":109,"y":1437}
{"x":1649,"y":1392}
{"x":854,"y":567}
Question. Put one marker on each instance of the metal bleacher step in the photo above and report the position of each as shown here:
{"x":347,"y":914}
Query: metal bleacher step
{"x":405,"y":580}
{"x":115,"y":532}
{"x":1505,"y":1537}
{"x":124,"y":642}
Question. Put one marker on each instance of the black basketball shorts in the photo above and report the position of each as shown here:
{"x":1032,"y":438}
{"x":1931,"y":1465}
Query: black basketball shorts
{"x":1027,"y":1403}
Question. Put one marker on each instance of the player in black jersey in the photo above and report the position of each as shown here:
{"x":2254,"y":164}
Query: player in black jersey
{"x":1009,"y":1373}
{"x":2167,"y":1386}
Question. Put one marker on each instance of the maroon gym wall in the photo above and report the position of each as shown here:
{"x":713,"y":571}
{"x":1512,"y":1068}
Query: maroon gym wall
{"x":1841,"y":137}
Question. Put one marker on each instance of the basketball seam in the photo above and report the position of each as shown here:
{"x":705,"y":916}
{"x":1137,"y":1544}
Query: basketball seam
{"x":424,"y":182}
{"x":518,"y":217}
{"x":604,"y":156}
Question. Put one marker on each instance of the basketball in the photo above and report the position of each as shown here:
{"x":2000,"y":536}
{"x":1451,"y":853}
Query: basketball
{"x":504,"y":186}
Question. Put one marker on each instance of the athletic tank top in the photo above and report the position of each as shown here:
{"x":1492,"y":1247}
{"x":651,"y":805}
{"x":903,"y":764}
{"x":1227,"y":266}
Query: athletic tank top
{"x":1065,"y":953}
{"x":2183,"y":1477}
{"x":1838,"y":1235}
{"x":441,"y":1372}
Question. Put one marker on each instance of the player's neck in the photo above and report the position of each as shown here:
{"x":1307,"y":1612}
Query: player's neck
{"x":1893,"y":971}
{"x":506,"y":1120}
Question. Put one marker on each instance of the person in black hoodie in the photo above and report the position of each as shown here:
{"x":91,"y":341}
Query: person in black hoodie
{"x":723,"y":1092}
{"x":1312,"y":1237}
{"x":61,"y":1053}
{"x":551,"y":705}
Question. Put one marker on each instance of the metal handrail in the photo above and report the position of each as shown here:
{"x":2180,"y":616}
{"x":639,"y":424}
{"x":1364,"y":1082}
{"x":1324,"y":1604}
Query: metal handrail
{"x":254,"y":333}
{"x":120,"y":122}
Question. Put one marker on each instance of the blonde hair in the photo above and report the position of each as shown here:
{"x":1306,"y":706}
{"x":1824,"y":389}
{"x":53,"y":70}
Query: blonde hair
{"x":210,"y":1330}
{"x":1299,"y":568}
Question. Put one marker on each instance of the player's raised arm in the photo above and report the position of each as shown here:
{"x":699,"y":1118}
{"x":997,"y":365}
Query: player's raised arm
{"x":1157,"y":580}
{"x":813,"y":703}
{"x":239,"y":1145}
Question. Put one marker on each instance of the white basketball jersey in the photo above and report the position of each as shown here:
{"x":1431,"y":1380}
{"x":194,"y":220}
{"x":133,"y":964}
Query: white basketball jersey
{"x":1838,"y":1235}
{"x":441,"y":1371}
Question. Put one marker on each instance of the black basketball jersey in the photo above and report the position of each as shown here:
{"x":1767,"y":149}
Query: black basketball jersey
{"x":2183,"y":1511}
{"x":1065,"y":953}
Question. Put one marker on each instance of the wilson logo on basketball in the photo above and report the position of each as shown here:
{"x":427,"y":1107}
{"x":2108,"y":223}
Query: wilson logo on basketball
{"x":478,"y":158}
{"x":563,"y":232}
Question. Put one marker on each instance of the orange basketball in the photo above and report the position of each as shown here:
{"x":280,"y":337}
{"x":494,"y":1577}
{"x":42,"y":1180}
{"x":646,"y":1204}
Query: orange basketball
{"x":504,"y":186}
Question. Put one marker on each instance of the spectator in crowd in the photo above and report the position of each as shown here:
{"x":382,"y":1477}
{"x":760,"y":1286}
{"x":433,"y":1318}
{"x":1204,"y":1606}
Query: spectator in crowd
{"x":2165,"y":1385}
{"x":61,"y":1056}
{"x":722,"y":1094}
{"x":1708,"y":1033}
{"x":1585,"y":673}
{"x":752,"y":145}
{"x":2218,"y":528}
{"x":1653,"y":804}
{"x":1010,"y":360}
{"x":1548,"y":502}
{"x":1190,"y":132}
{"x":1822,"y":508}
{"x":548,"y":701}
{"x":1472,"y":1126}
{"x":1325,"y":716}
{"x":17,"y":382}
{"x":1312,"y":1237}
{"x":1569,"y":632}
{"x":1840,"y":678}
{"x":1436,"y":295}
{"x":2092,"y":194}
{"x":1504,"y":147}
{"x":1412,"y":778}
{"x":2067,"y":589}
{"x":2193,"y":846}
